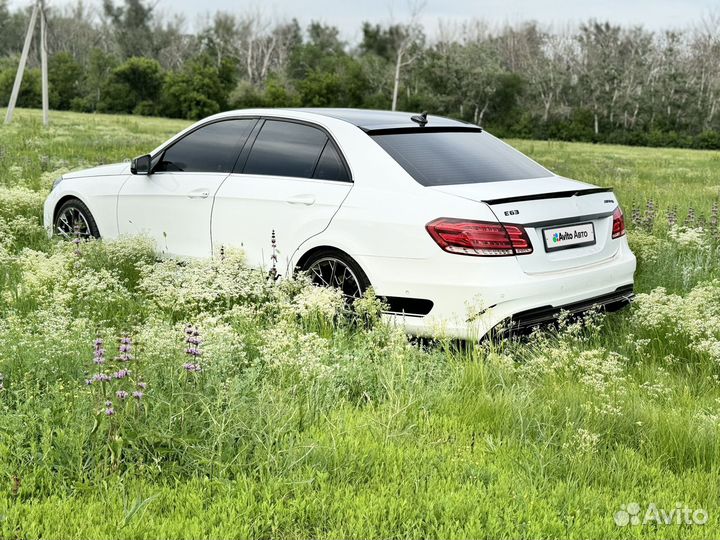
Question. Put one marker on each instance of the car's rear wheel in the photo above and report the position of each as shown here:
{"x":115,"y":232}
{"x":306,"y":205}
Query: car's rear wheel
{"x":330,"y":268}
{"x":74,"y":220}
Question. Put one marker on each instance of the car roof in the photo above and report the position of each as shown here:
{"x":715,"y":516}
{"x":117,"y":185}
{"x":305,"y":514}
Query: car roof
{"x":373,"y":120}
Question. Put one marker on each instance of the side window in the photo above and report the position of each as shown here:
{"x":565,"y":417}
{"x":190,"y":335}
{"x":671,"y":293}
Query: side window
{"x":213,"y":148}
{"x":285,"y":149}
{"x":330,"y":166}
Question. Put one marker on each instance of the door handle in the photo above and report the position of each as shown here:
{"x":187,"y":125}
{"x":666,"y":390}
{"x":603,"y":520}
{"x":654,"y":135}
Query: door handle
{"x":198,"y":195}
{"x":307,"y":200}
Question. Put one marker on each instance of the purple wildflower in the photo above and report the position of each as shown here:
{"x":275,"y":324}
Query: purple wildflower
{"x":124,"y":349}
{"x":121,"y":374}
{"x":193,"y":341}
{"x":192,"y":333}
{"x":99,"y":358}
{"x":99,"y":377}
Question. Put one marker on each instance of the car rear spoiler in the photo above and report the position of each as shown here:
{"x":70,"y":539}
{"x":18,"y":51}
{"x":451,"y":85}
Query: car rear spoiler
{"x":552,"y":195}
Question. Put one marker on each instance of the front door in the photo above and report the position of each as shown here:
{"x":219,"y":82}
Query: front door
{"x":173,"y":205}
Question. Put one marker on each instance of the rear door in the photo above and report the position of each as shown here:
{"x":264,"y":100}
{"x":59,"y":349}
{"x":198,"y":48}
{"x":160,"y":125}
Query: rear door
{"x":173,"y":205}
{"x":289,"y":182}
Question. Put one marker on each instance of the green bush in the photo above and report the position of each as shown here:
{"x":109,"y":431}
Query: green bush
{"x":64,"y":80}
{"x":136,"y":81}
{"x":30,"y":90}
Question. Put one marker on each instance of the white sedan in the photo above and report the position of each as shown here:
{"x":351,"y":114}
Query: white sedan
{"x":457,"y":231}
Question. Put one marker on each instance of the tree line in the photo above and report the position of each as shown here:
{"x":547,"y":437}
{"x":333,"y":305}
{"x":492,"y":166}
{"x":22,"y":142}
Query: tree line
{"x":598,"y":82}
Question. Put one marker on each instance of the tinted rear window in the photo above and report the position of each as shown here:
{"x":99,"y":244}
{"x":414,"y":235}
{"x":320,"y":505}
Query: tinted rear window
{"x":330,"y":166}
{"x":286,"y":149}
{"x":458,"y":157}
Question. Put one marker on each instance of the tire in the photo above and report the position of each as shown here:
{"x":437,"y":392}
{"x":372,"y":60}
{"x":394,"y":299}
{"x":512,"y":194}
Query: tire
{"x":74,"y":220}
{"x":319,"y":266}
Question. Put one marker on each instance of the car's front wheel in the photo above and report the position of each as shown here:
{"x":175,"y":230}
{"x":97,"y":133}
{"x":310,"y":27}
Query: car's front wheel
{"x":330,"y":268}
{"x":74,"y":220}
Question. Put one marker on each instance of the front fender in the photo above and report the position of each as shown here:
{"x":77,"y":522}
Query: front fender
{"x":99,"y":194}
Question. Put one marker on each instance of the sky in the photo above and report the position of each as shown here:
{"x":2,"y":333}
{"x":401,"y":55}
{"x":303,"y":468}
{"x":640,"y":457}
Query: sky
{"x":348,"y":15}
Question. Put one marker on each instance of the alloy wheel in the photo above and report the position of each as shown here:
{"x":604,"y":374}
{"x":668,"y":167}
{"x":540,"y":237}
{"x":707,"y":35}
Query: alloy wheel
{"x":332,"y":272}
{"x":72,"y":223}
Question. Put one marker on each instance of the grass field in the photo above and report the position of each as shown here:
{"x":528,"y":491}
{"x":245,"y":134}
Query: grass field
{"x":306,"y":423}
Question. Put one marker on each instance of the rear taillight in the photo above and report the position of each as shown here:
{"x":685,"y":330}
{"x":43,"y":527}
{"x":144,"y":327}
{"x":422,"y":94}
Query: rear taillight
{"x":618,"y":223}
{"x":480,"y":238}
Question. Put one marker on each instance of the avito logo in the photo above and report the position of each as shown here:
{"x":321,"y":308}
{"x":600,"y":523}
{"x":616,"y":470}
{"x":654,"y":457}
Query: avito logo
{"x":559,"y":237}
{"x":562,"y":236}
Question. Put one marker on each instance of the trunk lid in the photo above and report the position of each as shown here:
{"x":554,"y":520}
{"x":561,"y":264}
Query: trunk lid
{"x":546,"y":207}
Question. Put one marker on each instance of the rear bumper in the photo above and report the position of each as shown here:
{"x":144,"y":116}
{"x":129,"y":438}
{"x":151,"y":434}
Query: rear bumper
{"x":472,"y":296}
{"x":525,"y":321}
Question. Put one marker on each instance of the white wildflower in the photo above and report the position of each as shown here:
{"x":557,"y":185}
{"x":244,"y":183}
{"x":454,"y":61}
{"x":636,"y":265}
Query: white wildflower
{"x":583,"y":442}
{"x":692,"y":319}
{"x":656,"y":390}
{"x":286,"y":348}
{"x":321,"y":302}
{"x":690,"y":237}
{"x":200,"y":285}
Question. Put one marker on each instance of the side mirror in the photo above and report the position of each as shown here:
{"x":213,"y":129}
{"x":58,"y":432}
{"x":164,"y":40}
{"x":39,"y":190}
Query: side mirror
{"x":141,"y":165}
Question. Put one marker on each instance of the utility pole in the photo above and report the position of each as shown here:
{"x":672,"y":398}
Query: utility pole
{"x":38,"y":7}
{"x":44,"y":63}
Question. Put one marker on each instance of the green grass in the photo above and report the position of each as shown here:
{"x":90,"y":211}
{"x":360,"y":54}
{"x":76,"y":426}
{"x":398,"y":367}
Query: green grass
{"x":308,"y":423}
{"x":670,"y":176}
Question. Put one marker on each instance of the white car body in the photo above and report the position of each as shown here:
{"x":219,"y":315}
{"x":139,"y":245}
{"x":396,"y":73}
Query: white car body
{"x":379,"y":219}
